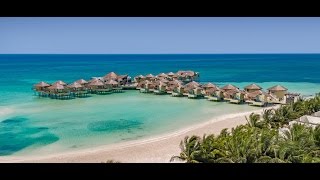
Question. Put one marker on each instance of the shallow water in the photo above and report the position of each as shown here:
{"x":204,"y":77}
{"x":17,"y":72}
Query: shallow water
{"x":32,"y":125}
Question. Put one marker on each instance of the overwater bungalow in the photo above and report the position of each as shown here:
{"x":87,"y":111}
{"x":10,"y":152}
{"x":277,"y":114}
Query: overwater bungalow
{"x":161,"y":89}
{"x":58,"y":91}
{"x":149,"y":77}
{"x":189,"y":87}
{"x":41,"y":88}
{"x":237,"y":97}
{"x":114,"y":85}
{"x":178,"y":91}
{"x":257,"y":98}
{"x":97,"y":86}
{"x":141,"y":84}
{"x":252,"y":88}
{"x":195,"y":93}
{"x":212,"y":92}
{"x":77,"y":89}
{"x":208,"y":89}
{"x":278,"y":92}
{"x":139,"y":78}
{"x":148,"y":87}
{"x":216,"y":95}
{"x":173,"y":84}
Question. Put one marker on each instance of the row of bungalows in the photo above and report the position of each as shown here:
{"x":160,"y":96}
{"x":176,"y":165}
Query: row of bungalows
{"x":81,"y":88}
{"x":251,"y":94}
{"x":61,"y":90}
{"x":184,"y":76}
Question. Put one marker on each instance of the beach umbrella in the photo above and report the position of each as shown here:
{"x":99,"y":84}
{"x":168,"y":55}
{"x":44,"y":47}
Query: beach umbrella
{"x":42,"y":84}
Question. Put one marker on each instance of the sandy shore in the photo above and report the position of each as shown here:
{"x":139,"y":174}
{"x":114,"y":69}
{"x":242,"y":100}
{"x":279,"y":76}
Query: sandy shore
{"x":155,"y":149}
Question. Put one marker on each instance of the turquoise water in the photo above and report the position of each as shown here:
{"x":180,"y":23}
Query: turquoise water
{"x":32,"y":125}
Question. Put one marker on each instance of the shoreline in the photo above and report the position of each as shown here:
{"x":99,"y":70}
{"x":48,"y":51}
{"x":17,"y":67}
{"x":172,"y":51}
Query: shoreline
{"x":154,"y":149}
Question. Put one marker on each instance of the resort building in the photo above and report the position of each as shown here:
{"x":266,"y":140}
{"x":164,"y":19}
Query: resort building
{"x":278,"y":94}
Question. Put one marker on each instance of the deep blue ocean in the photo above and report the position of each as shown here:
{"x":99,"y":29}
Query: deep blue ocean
{"x":216,"y":68}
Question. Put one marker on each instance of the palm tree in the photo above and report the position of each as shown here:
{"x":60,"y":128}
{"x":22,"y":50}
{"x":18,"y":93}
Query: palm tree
{"x":189,"y":148}
{"x":255,"y":121}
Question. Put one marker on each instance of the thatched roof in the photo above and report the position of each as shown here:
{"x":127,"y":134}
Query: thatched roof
{"x":184,"y":73}
{"x":82,"y":81}
{"x":193,"y":84}
{"x":61,"y":82}
{"x":171,"y":74}
{"x":209,"y":85}
{"x":148,"y":82}
{"x":122,"y":76}
{"x":139,"y":77}
{"x":256,"y":93}
{"x":229,"y":87}
{"x":42,"y":84}
{"x":231,"y":92}
{"x":277,"y":88}
{"x":149,"y":76}
{"x":74,"y":85}
{"x":112,"y":82}
{"x":253,"y":87}
{"x":56,"y":86}
{"x":162,"y":75}
{"x":164,"y":81}
{"x":96,"y":83}
{"x":210,"y":91}
{"x":111,"y":75}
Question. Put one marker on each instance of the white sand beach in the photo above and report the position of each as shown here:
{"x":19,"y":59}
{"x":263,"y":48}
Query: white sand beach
{"x":157,"y":149}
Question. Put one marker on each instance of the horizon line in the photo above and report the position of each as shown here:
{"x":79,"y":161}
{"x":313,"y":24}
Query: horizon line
{"x":150,"y":53}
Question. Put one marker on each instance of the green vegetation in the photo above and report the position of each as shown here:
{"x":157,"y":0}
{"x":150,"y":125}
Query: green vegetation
{"x":260,"y":140}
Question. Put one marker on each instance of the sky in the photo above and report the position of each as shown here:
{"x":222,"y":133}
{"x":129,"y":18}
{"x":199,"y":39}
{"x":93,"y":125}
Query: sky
{"x":159,"y":35}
